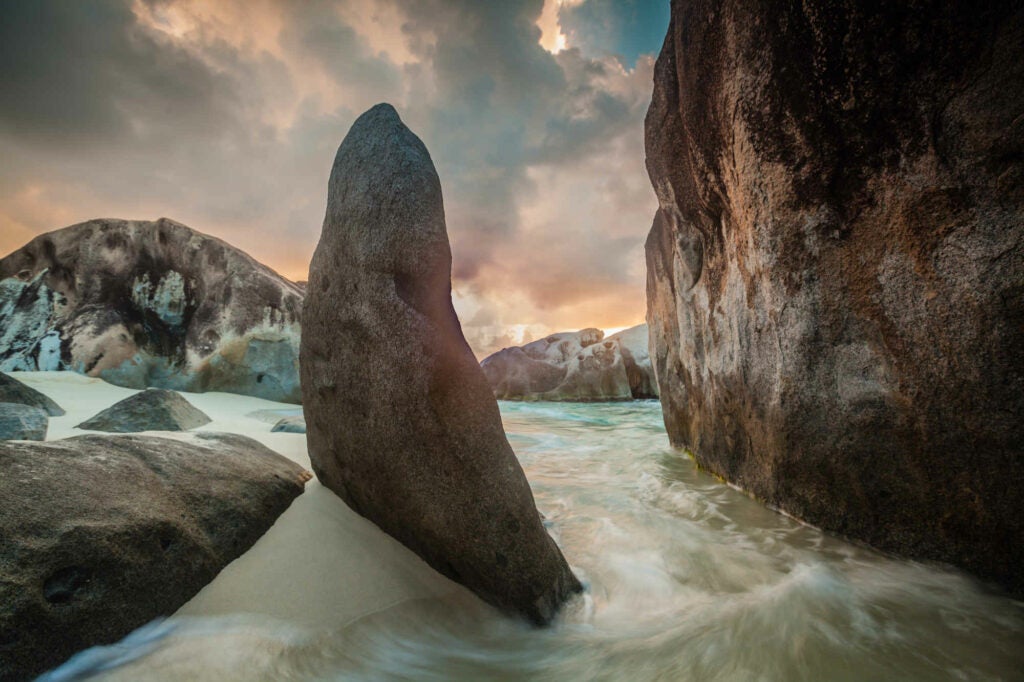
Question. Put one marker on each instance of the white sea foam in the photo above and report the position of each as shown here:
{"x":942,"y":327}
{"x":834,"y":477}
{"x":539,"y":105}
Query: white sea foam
{"x":687,"y":580}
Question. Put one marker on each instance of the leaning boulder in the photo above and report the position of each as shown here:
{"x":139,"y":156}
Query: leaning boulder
{"x":154,"y":409}
{"x":22,"y":422}
{"x":13,"y":391}
{"x":101,"y":534}
{"x":401,"y":421}
{"x":150,"y":303}
{"x":574,"y":366}
{"x":836,"y":268}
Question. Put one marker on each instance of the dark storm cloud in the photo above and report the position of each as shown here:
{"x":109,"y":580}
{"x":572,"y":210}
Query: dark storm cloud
{"x":503,"y":103}
{"x":85,"y":72}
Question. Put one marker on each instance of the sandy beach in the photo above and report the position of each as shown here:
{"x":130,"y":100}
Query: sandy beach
{"x":321,"y":565}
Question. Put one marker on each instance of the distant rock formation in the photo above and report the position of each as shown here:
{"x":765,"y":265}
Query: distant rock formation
{"x":101,"y":534}
{"x":633,"y":344}
{"x":13,"y":391}
{"x":155,"y":409}
{"x":143,"y":303}
{"x":574,"y":366}
{"x":290,"y":425}
{"x":22,"y":422}
{"x":401,"y":423}
{"x":836,"y":269}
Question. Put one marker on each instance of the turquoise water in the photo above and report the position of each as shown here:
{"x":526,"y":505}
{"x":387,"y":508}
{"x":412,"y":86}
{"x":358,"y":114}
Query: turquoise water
{"x":687,"y":579}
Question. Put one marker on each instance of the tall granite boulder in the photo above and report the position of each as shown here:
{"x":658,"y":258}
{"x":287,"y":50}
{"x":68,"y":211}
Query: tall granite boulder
{"x":574,"y":366}
{"x":13,"y":391}
{"x":155,"y":409}
{"x":836,"y":268}
{"x":150,"y":303}
{"x":101,"y":534}
{"x":401,"y":423}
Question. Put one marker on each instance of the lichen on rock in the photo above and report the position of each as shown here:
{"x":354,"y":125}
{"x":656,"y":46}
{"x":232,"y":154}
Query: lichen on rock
{"x":150,"y":303}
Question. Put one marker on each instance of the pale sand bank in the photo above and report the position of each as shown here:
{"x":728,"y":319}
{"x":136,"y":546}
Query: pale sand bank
{"x":321,"y":565}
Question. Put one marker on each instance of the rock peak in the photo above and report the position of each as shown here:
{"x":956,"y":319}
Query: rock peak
{"x":401,"y":422}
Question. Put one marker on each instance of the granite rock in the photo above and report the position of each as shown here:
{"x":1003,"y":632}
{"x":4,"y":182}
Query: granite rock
{"x":574,"y":366}
{"x":22,"y":422}
{"x":150,"y":303}
{"x":13,"y":391}
{"x":155,"y":409}
{"x":401,"y":422}
{"x":836,"y":268}
{"x":102,"y":534}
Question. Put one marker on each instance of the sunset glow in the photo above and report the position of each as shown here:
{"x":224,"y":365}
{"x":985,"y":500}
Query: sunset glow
{"x":225,"y":116}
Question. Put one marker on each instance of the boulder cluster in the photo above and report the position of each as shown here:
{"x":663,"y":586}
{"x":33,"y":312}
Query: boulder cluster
{"x":102,"y":534}
{"x":575,"y":366}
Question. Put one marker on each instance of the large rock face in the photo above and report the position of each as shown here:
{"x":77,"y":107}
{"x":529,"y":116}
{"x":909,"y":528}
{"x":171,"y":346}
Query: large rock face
{"x":155,"y":409}
{"x":101,"y":534}
{"x":143,"y":303}
{"x":575,"y":366}
{"x":401,"y":422}
{"x":836,"y":269}
{"x":13,"y":391}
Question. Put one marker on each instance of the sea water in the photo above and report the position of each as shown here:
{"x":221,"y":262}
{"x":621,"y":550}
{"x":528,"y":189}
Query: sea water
{"x":687,"y":579}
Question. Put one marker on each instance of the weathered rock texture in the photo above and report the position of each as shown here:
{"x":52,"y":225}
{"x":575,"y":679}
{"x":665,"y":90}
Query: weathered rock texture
{"x":22,"y":422}
{"x":634,"y":346}
{"x":13,"y":391}
{"x":142,"y":303}
{"x":574,"y":366}
{"x":101,"y":534}
{"x":155,"y":409}
{"x":836,"y":269}
{"x":400,"y":420}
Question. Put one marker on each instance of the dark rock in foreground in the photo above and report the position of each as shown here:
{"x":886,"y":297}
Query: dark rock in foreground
{"x":401,"y":422}
{"x":13,"y":391}
{"x":574,"y":366}
{"x":836,"y":269}
{"x":22,"y":422}
{"x":101,"y":534}
{"x":290,"y":425}
{"x":150,"y":303}
{"x":154,"y":409}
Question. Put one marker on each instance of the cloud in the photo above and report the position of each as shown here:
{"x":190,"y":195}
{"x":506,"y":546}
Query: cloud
{"x":88,"y":73}
{"x":226,"y":116}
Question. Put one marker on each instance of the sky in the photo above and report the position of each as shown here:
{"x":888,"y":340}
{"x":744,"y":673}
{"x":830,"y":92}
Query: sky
{"x":226,"y":116}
